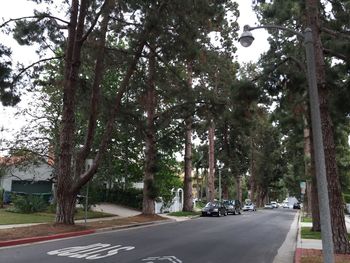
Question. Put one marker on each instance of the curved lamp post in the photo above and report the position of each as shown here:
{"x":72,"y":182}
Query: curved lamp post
{"x":246,"y":40}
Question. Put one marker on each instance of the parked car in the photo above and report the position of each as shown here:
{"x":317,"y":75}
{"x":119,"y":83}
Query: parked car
{"x":268,"y":206}
{"x":285,"y":205}
{"x":249,"y":207}
{"x":233,"y":206}
{"x":296,"y":206}
{"x":274,"y":204}
{"x":214,"y":209}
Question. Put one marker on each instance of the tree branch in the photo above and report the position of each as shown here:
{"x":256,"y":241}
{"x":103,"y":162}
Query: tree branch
{"x":32,"y":65}
{"x":335,"y":34}
{"x":33,"y":17}
{"x":86,"y":176}
{"x":332,"y":53}
{"x":298,"y":62}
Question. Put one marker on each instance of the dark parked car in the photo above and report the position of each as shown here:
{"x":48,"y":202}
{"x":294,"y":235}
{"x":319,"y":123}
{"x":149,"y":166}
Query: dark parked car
{"x":233,"y":206}
{"x":296,"y":206}
{"x":214,"y":209}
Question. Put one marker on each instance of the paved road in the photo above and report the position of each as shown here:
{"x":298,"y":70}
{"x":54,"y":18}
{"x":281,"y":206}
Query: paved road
{"x":251,"y":237}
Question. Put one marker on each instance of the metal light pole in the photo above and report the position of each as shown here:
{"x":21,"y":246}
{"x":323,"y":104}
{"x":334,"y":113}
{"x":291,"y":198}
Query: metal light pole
{"x":327,"y":242}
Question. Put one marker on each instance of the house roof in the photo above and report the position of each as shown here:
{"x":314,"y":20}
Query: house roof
{"x":11,"y":160}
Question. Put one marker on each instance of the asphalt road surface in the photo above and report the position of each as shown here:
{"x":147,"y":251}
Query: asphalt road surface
{"x":247,"y":238}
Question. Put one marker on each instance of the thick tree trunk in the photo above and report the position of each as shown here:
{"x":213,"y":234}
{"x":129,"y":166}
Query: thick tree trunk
{"x":67,"y":181}
{"x":188,"y":198}
{"x":72,"y":63}
{"x":315,"y":210}
{"x":225,"y":192}
{"x":307,"y":164}
{"x":340,"y":237}
{"x":211,"y":175}
{"x":188,"y":191}
{"x":239,"y":188}
{"x":65,"y":209}
{"x":150,"y":152}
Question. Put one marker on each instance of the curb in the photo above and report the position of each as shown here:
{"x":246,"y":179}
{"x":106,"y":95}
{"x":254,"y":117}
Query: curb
{"x":298,"y":253}
{"x":28,"y":240}
{"x":158,"y":222}
{"x":299,"y":249}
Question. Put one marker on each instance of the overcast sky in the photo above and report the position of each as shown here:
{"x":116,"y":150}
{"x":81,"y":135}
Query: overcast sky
{"x":20,"y":8}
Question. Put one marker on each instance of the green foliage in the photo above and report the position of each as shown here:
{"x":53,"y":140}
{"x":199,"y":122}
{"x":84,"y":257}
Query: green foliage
{"x":308,"y":234}
{"x":127,"y":197}
{"x":29,"y":204}
{"x":8,"y":94}
{"x":346,"y":198}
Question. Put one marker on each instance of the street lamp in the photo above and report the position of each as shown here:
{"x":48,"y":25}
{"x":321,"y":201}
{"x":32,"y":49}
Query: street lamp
{"x":246,"y":40}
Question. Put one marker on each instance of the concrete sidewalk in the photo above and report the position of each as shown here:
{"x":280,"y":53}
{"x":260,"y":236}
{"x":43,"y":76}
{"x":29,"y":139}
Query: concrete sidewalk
{"x":114,"y":209}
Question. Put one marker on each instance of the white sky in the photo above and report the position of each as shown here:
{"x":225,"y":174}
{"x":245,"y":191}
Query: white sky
{"x":20,"y":8}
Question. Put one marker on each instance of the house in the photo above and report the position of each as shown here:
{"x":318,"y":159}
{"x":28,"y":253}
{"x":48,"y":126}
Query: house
{"x":24,"y":176}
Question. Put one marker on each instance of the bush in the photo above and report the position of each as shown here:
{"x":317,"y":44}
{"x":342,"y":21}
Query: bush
{"x":346,"y":198}
{"x":29,"y":204}
{"x":128,"y":197}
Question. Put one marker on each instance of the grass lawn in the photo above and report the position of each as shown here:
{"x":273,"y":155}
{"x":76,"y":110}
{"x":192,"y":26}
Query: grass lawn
{"x":9,"y":218}
{"x":306,"y":219}
{"x":308,"y":234}
{"x":184,"y":213}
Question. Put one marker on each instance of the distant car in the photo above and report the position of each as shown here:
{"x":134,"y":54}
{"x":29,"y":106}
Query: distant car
{"x":274,"y":204}
{"x":285,"y":205}
{"x":268,"y":206}
{"x":249,"y":207}
{"x":233,"y":206}
{"x":214,"y":209}
{"x":296,"y":206}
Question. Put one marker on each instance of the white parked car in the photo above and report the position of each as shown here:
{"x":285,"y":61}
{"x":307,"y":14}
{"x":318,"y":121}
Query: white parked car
{"x":249,"y":207}
{"x":285,"y":205}
{"x":274,"y":204}
{"x":268,"y":206}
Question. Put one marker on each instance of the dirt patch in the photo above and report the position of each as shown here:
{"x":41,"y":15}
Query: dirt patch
{"x":52,"y":229}
{"x":315,"y":256}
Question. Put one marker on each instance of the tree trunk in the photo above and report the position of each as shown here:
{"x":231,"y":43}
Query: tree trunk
{"x":188,"y":198}
{"x":225,"y":192}
{"x":238,"y":188}
{"x":188,"y":191}
{"x":65,"y":209}
{"x":148,"y":207}
{"x":307,"y":164}
{"x":72,"y":64}
{"x":211,"y":175}
{"x":340,"y":237}
{"x":69,"y":182}
{"x":315,"y":210}
{"x":252,"y":180}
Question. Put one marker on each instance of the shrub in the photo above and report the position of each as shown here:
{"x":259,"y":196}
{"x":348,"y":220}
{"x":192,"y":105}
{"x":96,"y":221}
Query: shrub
{"x":128,"y":197}
{"x":29,"y":204}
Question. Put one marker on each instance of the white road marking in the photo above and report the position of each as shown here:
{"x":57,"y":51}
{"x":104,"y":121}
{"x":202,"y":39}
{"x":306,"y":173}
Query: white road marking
{"x":90,"y":252}
{"x":172,"y":259}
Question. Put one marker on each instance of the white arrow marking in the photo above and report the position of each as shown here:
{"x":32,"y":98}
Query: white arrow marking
{"x":167,"y":258}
